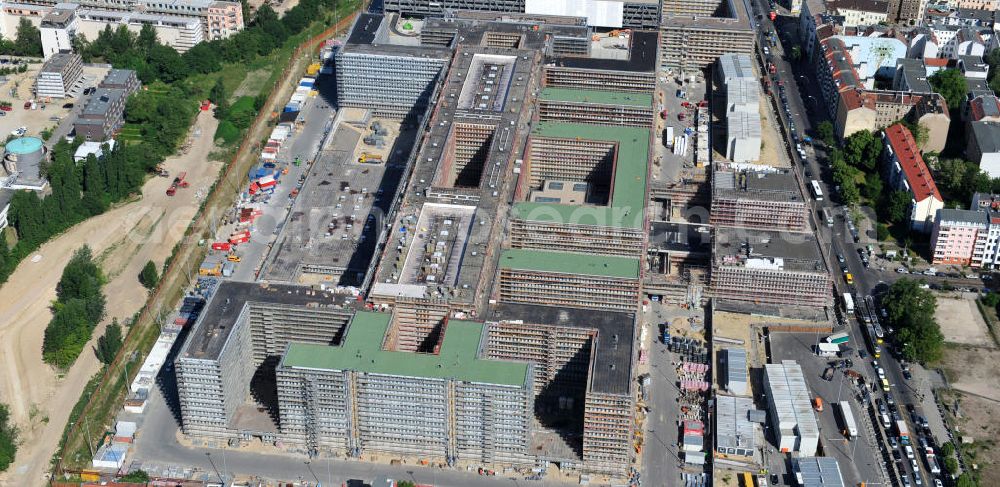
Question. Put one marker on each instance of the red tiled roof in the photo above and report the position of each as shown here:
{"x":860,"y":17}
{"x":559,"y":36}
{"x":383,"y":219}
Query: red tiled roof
{"x":937,"y":62}
{"x":914,"y":169}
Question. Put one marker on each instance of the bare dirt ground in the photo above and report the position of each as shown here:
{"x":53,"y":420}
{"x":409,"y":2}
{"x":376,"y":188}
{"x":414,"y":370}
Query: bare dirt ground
{"x":772,"y":148}
{"x":961,"y":322}
{"x":124,"y":238}
{"x":37,"y":120}
{"x":976,"y":387}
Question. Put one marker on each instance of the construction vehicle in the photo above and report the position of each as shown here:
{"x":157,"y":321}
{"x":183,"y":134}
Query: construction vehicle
{"x":179,"y":182}
{"x":313,"y":69}
{"x":368,"y":158}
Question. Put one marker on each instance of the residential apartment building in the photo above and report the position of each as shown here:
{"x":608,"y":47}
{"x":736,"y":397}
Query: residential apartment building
{"x":789,"y":407}
{"x":59,"y":76}
{"x":906,"y":12}
{"x":104,"y":112}
{"x":983,"y":146}
{"x":860,"y":13}
{"x":693,"y":34}
{"x":906,"y":171}
{"x":58,"y":27}
{"x":759,"y":199}
{"x":855,"y":107}
{"x":769,"y":269}
{"x":178,"y":23}
{"x":742,"y":91}
{"x":959,"y":236}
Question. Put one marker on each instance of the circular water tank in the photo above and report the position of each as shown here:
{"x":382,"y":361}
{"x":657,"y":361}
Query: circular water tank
{"x":25,"y":150}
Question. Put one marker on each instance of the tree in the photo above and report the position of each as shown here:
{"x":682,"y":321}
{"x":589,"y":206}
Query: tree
{"x":139,"y":476}
{"x":796,"y":54}
{"x":948,"y":449}
{"x":148,"y":276}
{"x":897,"y":207}
{"x":862,"y":150}
{"x":219,"y":98}
{"x":28,"y":41}
{"x":109,"y":343}
{"x":824,"y":131}
{"x":405,"y":483}
{"x":966,"y":480}
{"x":873,"y":186}
{"x":919,"y":131}
{"x":951,"y":465}
{"x":910,"y":310}
{"x":881,"y":232}
{"x":76,"y":311}
{"x":8,"y":439}
{"x":949,"y":83}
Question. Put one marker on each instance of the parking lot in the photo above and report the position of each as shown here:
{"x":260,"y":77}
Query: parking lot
{"x":858,"y":458}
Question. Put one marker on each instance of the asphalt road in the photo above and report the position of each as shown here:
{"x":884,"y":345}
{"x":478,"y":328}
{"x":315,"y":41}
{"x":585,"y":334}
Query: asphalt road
{"x":660,"y":459}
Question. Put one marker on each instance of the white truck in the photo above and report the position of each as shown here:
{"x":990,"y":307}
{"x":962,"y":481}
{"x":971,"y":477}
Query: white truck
{"x":827,"y":349}
{"x":850,"y":426}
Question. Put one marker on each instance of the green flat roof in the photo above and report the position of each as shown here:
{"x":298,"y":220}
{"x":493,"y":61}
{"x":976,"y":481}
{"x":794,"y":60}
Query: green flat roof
{"x":362,"y":351}
{"x":597,"y":96}
{"x":577,"y":214}
{"x":570,"y":263}
{"x":628,"y":193}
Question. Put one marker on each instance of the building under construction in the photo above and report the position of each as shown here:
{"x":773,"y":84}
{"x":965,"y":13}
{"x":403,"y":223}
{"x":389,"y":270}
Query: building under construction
{"x":769,"y":268}
{"x":695,"y":33}
{"x":449,"y":404}
{"x":570,"y":268}
{"x":761,"y":199}
{"x":635,"y":14}
{"x":583,"y":370}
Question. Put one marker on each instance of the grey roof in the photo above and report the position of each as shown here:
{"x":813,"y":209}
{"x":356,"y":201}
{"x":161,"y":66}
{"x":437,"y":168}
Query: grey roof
{"x":987,"y":136}
{"x":818,"y":472}
{"x":795,"y":251}
{"x":101,"y":101}
{"x":59,"y":61}
{"x":757,"y":185}
{"x":977,"y":87}
{"x":57,"y":17}
{"x":117,"y":77}
{"x":733,"y":428}
{"x":642,"y":56}
{"x":221,"y":312}
{"x":612,"y":348}
{"x":964,"y":216}
{"x":877,"y":6}
{"x":914,"y":75}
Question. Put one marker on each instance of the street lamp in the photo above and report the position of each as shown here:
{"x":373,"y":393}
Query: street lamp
{"x":209,"y":455}
{"x":309,"y":467}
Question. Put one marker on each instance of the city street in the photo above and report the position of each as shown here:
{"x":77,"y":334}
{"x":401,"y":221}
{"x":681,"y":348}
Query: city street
{"x":837,"y":240}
